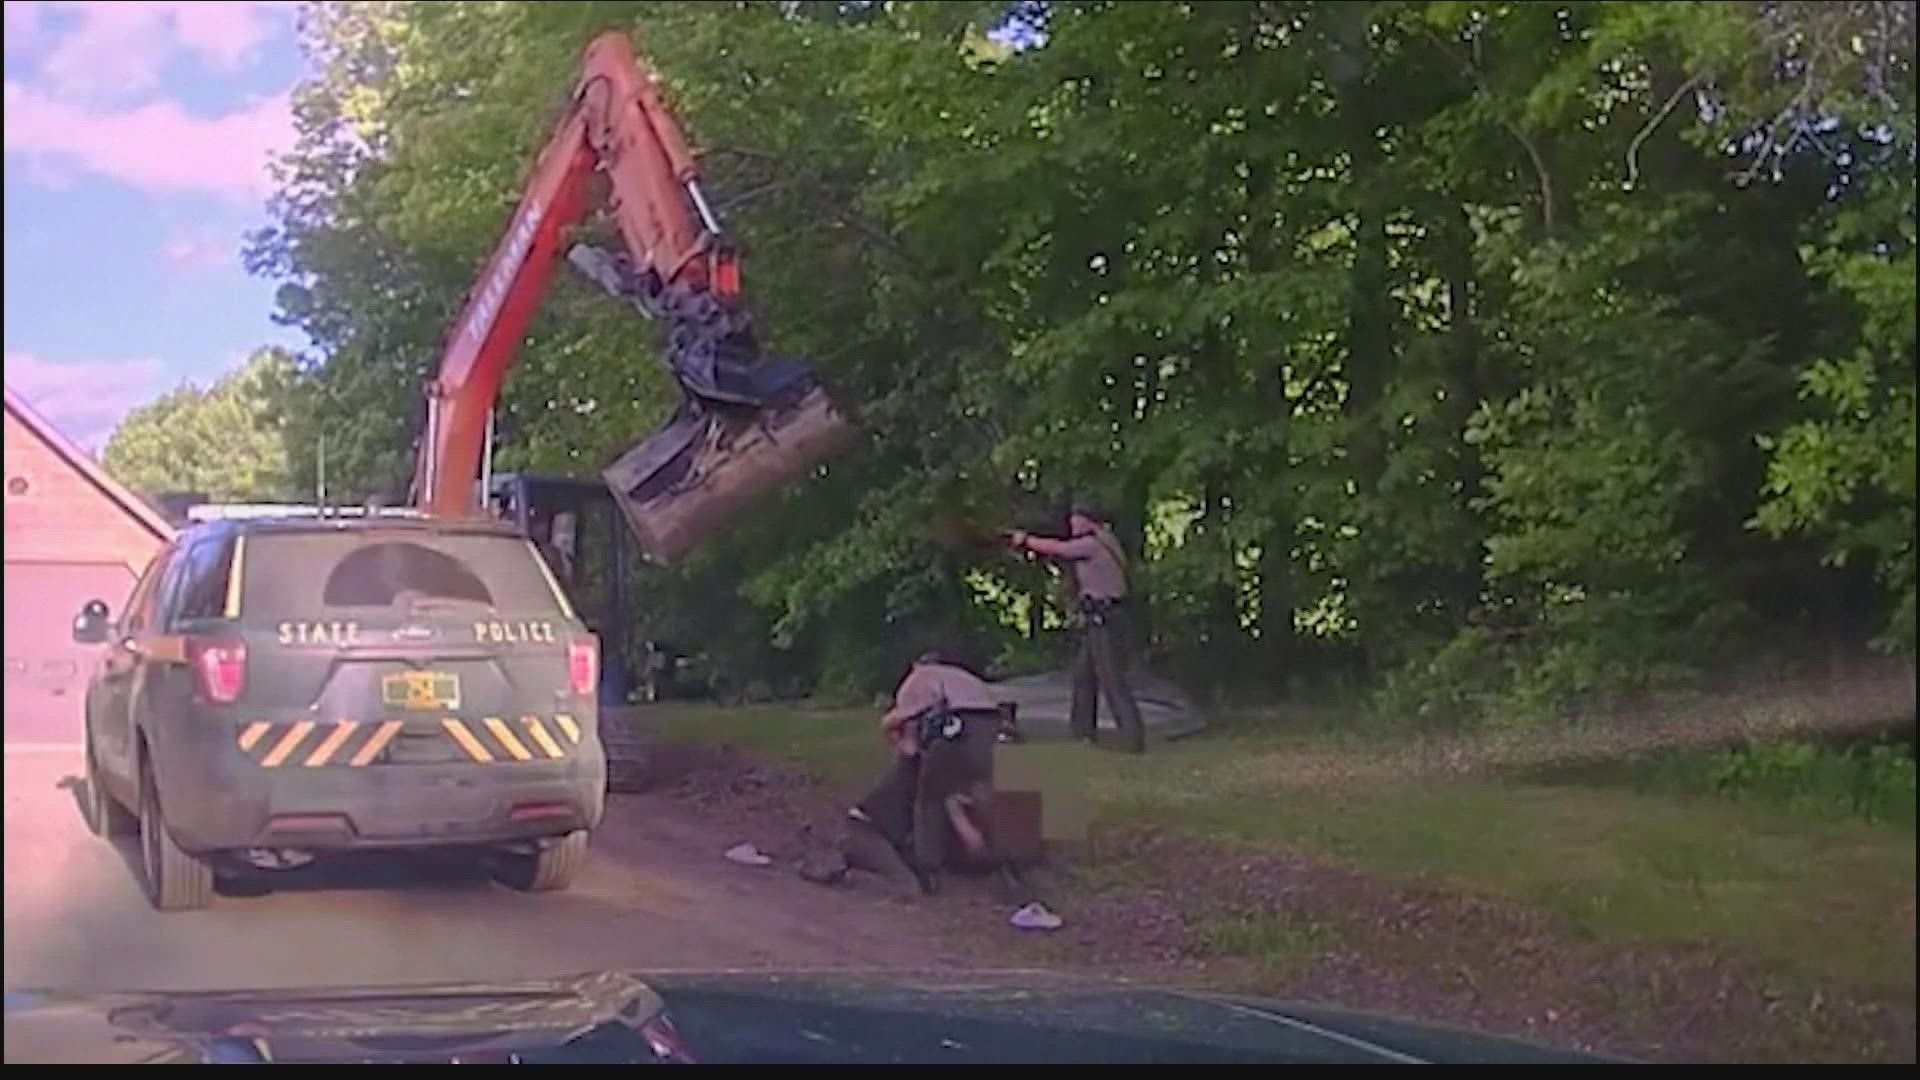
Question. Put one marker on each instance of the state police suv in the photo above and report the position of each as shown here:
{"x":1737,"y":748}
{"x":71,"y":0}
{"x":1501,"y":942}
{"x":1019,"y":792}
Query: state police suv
{"x":281,"y":688}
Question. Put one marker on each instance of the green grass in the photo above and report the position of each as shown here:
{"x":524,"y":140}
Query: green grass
{"x":1279,"y":943}
{"x":838,"y":745}
{"x":1868,"y":780}
{"x":1806,"y":894}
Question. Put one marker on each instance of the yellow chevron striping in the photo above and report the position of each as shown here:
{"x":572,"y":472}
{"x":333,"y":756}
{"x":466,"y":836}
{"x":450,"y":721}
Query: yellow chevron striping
{"x":338,"y":736}
{"x":288,"y":744}
{"x":474,"y":747}
{"x":504,"y":735}
{"x":330,"y":745}
{"x":539,"y":733}
{"x":375,"y":743}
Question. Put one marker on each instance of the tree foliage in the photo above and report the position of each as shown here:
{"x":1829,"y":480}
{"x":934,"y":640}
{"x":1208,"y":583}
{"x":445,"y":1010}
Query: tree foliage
{"x":1497,"y":354}
{"x":227,"y":441}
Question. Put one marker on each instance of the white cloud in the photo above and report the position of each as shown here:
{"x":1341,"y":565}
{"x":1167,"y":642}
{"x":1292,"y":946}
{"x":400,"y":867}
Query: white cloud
{"x":227,"y":31}
{"x":157,"y":146}
{"x":109,"y":49}
{"x":200,"y":251}
{"x":91,"y":106}
{"x":85,"y":399}
{"x":23,"y":23}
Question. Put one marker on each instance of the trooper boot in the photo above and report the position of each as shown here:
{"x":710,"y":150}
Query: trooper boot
{"x":929,"y":882}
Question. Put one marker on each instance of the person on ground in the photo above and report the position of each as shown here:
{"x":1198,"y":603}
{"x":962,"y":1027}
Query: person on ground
{"x":942,"y":727}
{"x":1100,"y":578}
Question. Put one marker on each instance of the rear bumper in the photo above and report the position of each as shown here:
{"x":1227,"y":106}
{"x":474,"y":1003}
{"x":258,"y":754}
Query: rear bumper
{"x":217,"y":799}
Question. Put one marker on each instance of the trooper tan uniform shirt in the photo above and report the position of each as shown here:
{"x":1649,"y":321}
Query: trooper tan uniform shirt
{"x":959,"y":763}
{"x":927,"y":684}
{"x":1097,"y":567}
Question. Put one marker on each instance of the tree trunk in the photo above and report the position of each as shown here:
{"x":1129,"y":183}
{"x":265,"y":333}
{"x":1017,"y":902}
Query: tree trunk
{"x":1369,"y":308}
{"x":1277,"y":650}
{"x":1273,"y":655}
{"x":1464,"y":391}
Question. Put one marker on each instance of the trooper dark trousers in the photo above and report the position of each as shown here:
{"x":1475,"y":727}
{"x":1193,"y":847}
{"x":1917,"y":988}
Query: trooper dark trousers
{"x":909,"y":804}
{"x":1101,"y":667}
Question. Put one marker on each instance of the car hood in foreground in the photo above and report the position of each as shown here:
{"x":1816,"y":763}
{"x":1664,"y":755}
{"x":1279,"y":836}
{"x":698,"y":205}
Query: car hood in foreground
{"x":718,"y":1017}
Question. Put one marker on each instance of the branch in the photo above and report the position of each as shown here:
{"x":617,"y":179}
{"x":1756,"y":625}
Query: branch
{"x":737,"y":198}
{"x":1640,"y":137}
{"x":1541,"y":173}
{"x":873,"y":234}
{"x":740,"y":151}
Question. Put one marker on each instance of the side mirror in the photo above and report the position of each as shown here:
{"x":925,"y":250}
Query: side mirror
{"x":91,"y":626}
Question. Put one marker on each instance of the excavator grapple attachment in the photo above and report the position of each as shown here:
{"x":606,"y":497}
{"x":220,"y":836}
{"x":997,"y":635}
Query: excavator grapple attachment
{"x":681,"y":484}
{"x":746,"y":424}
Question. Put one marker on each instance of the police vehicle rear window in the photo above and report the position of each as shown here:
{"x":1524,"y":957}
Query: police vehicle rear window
{"x":293,"y":575}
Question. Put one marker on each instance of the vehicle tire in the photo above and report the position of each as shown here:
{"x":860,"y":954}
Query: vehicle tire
{"x":105,"y":816}
{"x":174,"y":880}
{"x":551,"y":869}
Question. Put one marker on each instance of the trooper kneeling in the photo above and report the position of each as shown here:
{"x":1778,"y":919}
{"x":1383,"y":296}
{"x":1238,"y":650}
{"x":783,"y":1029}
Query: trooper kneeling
{"x":928,"y":811}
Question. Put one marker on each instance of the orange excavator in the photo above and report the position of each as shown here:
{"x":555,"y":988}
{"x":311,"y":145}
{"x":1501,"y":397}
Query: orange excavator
{"x":746,"y":423}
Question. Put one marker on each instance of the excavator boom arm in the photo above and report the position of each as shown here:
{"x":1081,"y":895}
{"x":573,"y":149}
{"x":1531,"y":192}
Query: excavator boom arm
{"x":743,"y":428}
{"x":488,"y":334}
{"x":619,"y":125}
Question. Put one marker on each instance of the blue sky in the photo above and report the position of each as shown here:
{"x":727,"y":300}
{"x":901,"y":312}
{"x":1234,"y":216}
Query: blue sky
{"x":137,"y":136}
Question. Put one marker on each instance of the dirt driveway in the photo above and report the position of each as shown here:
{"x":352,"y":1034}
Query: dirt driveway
{"x":657,"y":896}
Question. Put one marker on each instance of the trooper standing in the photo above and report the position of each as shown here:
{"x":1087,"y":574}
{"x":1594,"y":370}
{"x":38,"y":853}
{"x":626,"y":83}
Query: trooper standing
{"x":1100,"y":577}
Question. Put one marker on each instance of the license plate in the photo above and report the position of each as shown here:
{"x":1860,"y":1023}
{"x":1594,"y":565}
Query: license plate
{"x":420,"y":690}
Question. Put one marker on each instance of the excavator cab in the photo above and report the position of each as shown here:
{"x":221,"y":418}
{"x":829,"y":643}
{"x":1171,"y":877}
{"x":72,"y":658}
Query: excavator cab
{"x":578,"y":530}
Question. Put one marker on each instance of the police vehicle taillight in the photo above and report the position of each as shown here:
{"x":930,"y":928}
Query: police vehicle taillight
{"x":583,"y":665}
{"x":219,"y":668}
